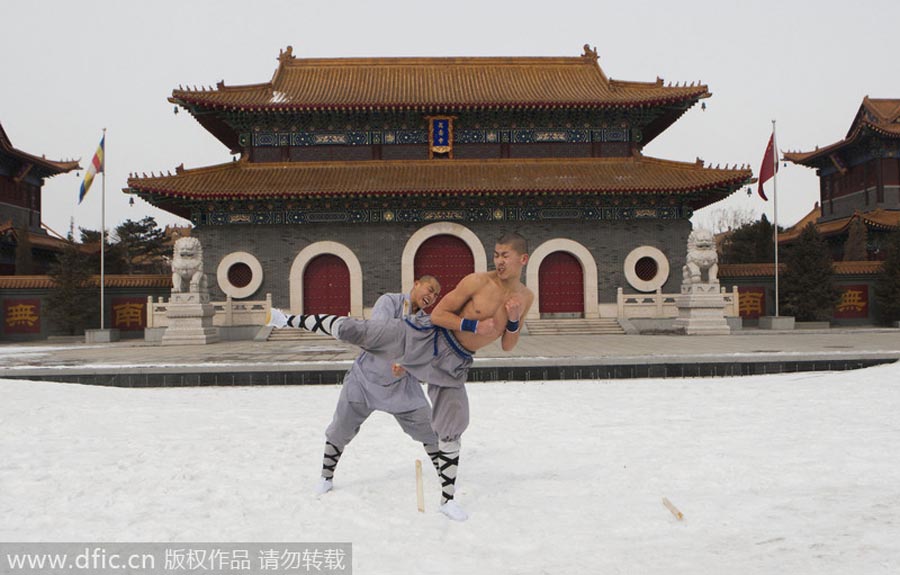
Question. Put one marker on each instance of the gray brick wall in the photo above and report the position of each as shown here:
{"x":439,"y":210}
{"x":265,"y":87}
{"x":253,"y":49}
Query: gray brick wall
{"x":379,"y":248}
{"x":845,"y":205}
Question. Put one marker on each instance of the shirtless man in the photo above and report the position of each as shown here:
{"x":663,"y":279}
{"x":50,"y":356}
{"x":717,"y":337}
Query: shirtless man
{"x":482,"y":308}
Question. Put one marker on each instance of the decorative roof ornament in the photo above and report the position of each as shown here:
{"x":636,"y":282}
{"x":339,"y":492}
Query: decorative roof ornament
{"x":284,"y":55}
{"x":590,"y":52}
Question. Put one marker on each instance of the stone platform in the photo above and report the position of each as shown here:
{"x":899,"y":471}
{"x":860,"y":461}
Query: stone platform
{"x":136,"y":363}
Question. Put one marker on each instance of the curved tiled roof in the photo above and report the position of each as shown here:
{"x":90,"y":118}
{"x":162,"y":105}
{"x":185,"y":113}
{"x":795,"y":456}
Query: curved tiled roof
{"x":875,"y":114}
{"x":857,"y":268}
{"x":880,"y":219}
{"x":39,"y":240}
{"x":45,"y":167}
{"x":749,"y":270}
{"x":448,"y":83}
{"x":795,"y":230}
{"x":245,"y":180}
{"x":117,"y":281}
{"x":732,"y":271}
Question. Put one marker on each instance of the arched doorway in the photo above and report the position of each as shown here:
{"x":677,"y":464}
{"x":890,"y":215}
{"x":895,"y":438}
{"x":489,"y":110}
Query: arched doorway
{"x":561,"y":286}
{"x":446,"y":257}
{"x":326,"y":285}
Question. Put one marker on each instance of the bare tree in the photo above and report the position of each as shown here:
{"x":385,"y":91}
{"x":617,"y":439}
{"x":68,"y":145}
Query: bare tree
{"x":726,"y":219}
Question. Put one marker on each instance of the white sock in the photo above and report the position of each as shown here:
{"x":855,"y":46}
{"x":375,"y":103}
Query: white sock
{"x":323,"y":486}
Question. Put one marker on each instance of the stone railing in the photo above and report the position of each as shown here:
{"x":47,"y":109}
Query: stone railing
{"x":228,"y":313}
{"x":661,"y":305}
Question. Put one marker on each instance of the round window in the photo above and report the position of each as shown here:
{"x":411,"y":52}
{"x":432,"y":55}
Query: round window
{"x":646,"y":268}
{"x":239,"y":275}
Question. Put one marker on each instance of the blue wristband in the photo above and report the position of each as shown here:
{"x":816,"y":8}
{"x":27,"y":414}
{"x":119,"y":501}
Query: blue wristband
{"x":469,"y":325}
{"x":512,"y":326}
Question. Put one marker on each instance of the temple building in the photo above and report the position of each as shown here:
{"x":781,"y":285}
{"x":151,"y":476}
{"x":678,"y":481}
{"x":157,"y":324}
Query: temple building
{"x":353,"y":176}
{"x":21,"y":179}
{"x":859,"y":179}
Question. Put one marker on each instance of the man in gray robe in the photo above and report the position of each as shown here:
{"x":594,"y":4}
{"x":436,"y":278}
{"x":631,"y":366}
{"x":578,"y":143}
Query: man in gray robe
{"x":377,"y":384}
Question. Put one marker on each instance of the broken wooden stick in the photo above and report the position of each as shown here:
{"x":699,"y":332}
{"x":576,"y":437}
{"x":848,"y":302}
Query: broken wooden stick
{"x":420,"y":492}
{"x":678,"y":514}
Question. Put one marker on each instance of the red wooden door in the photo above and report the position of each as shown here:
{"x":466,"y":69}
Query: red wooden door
{"x":445,"y":257}
{"x":326,"y":286}
{"x":561,"y":285}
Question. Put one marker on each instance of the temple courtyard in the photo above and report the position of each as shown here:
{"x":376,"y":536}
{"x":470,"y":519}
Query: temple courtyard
{"x":792,"y":472}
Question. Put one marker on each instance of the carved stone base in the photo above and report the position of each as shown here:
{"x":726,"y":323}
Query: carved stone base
{"x":701,"y":289}
{"x":189,"y":297}
{"x":190,"y":321}
{"x":701,"y":310}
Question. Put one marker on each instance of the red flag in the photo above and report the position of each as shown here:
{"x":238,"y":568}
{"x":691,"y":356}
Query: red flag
{"x":769,"y":166}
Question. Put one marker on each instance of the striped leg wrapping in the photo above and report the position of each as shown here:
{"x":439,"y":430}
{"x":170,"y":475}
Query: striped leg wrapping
{"x":432,"y":450}
{"x":319,"y":322}
{"x":448,"y":461}
{"x":330,"y":461}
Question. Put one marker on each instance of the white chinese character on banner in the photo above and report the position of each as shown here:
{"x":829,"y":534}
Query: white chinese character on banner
{"x":312,"y":559}
{"x":334,"y":559}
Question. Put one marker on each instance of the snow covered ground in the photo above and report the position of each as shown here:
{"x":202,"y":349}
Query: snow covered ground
{"x":791,"y":473}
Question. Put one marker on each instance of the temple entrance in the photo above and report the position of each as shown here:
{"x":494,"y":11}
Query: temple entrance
{"x":326,"y":286}
{"x":561,"y":286}
{"x":447,"y":258}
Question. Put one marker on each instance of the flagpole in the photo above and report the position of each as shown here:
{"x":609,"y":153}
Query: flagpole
{"x":775,"y":207}
{"x":103,"y":234}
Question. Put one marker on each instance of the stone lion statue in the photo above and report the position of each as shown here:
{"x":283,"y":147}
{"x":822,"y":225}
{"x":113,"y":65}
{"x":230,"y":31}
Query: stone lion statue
{"x":701,"y":257}
{"x":187,"y":266}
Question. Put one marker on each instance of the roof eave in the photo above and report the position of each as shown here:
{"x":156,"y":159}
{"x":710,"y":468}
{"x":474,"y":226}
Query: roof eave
{"x":194,"y":102}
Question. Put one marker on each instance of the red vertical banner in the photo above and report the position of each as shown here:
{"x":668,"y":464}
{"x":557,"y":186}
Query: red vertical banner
{"x":854,"y":302}
{"x":129,"y":313}
{"x":22,"y":316}
{"x":752,"y":301}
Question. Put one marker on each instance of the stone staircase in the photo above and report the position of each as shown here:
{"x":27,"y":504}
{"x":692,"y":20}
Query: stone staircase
{"x":600,"y":326}
{"x":297,"y":335}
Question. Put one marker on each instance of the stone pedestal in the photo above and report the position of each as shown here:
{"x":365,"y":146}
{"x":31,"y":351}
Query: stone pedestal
{"x":701,"y":310}
{"x":190,"y":318}
{"x":781,"y":322}
{"x":101,"y":335}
